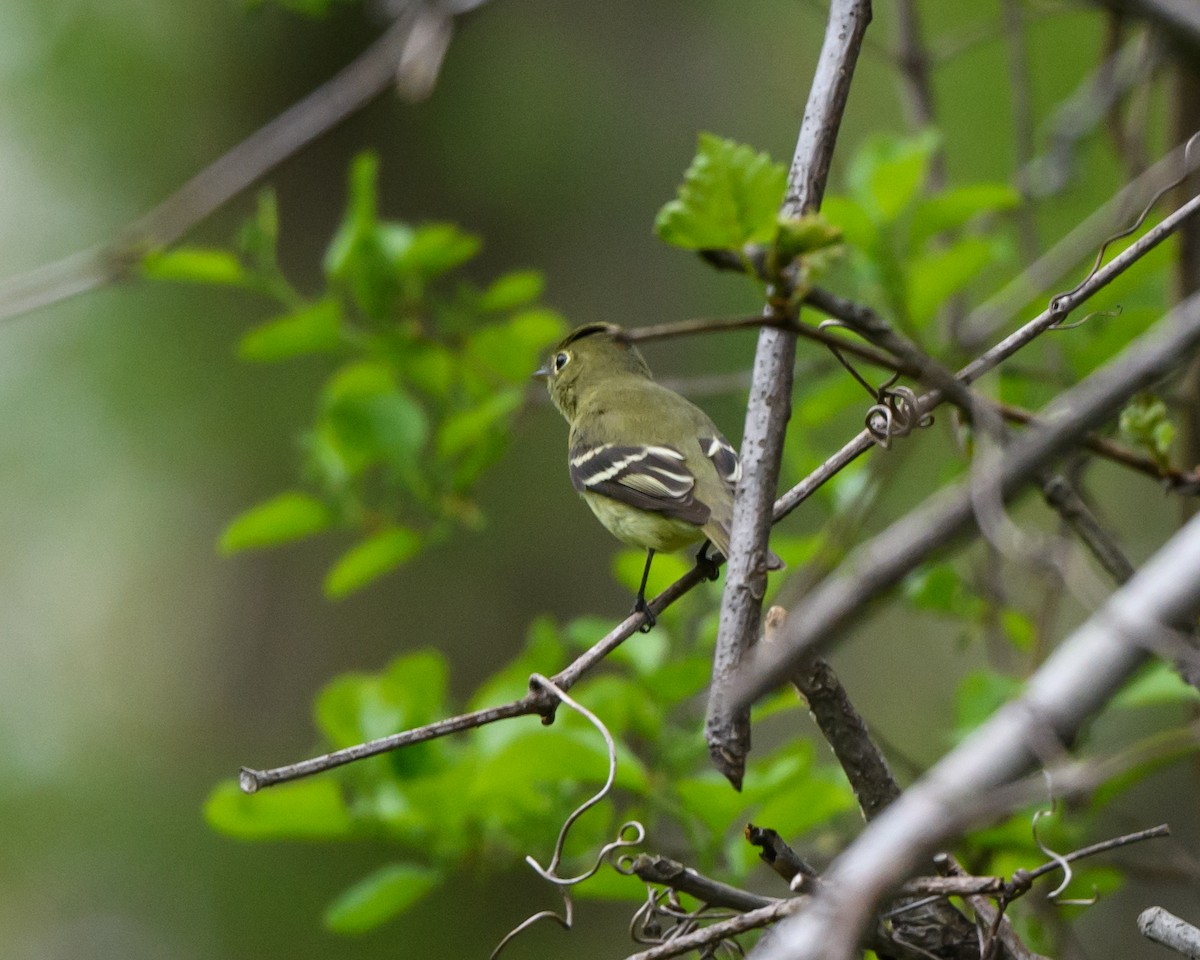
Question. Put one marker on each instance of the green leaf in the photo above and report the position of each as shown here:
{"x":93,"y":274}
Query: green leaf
{"x":429,"y":367}
{"x":355,"y":707}
{"x":940,"y":588}
{"x":313,"y":328}
{"x":371,"y":559}
{"x":513,"y":349}
{"x":435,"y":248}
{"x":1155,"y":685}
{"x":805,"y":235}
{"x":1146,"y":423}
{"x":465,"y":428}
{"x":194,"y":265}
{"x":289,"y":516}
{"x":513,"y":290}
{"x":358,"y":255}
{"x":305,"y":810}
{"x":258,"y":237}
{"x":936,"y":276}
{"x":887,"y":173}
{"x":957,"y":206}
{"x":379,"y":897}
{"x":730,"y":196}
{"x":1018,"y":628}
{"x":849,"y":216}
{"x":372,"y":418}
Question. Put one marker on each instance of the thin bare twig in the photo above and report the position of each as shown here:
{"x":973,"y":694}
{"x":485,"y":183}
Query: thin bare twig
{"x":636,"y":832}
{"x":1058,"y":492}
{"x":537,"y":702}
{"x":727,"y":730}
{"x":752,"y":920}
{"x":671,"y":873}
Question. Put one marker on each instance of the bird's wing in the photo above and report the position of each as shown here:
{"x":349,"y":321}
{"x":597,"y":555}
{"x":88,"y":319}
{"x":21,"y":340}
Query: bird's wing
{"x":653,"y":478}
{"x":724,"y":458}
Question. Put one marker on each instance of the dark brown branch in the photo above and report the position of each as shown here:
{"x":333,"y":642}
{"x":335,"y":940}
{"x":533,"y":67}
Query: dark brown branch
{"x":671,"y":873}
{"x":727,"y":730}
{"x":1174,"y":479}
{"x":780,"y":857}
{"x":1179,"y":18}
{"x":1075,"y":513}
{"x":841,"y":724}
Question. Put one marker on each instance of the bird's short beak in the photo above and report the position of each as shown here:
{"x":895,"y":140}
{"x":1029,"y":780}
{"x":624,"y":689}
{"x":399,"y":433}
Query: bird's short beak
{"x":542,"y":374}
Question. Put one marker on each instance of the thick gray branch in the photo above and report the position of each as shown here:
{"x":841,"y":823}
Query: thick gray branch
{"x":910,"y":541}
{"x":1162,"y":927}
{"x":726,"y":730}
{"x":1071,"y":687}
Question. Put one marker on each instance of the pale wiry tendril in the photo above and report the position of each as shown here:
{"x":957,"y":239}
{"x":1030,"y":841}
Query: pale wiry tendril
{"x":630,"y":834}
{"x":1060,"y":303}
{"x":895,"y":412}
{"x":662,"y":917}
{"x":1111,"y":314}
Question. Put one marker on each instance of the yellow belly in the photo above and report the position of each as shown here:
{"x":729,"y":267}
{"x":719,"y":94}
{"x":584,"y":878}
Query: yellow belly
{"x":640,"y":528}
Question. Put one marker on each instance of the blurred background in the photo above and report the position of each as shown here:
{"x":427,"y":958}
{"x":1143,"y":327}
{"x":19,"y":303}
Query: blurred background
{"x":137,"y":666}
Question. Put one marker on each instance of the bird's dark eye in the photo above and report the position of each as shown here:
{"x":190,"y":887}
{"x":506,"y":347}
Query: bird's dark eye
{"x":561,"y":360}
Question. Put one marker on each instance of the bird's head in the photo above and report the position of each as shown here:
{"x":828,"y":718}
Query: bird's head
{"x":588,"y":356}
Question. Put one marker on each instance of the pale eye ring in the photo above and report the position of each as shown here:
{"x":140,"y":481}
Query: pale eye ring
{"x":560,"y":361}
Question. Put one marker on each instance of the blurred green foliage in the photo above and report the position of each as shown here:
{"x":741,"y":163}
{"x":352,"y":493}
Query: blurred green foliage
{"x":428,"y":373}
{"x":425,"y":392}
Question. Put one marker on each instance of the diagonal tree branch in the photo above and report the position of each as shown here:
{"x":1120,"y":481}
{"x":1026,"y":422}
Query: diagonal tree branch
{"x":1076,"y":682}
{"x":900,"y":548}
{"x":727,"y":730}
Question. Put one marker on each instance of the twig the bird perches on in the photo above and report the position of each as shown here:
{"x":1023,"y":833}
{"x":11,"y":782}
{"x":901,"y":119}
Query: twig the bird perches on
{"x":727,"y":729}
{"x":537,"y":703}
{"x":671,"y":873}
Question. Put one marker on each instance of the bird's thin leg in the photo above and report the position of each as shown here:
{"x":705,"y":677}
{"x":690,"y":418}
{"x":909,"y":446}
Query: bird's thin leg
{"x":639,"y":605}
{"x":708,"y":565}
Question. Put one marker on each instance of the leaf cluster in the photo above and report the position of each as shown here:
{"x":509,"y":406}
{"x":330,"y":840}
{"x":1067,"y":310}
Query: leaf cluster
{"x":427,"y":374}
{"x":488,"y":798}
